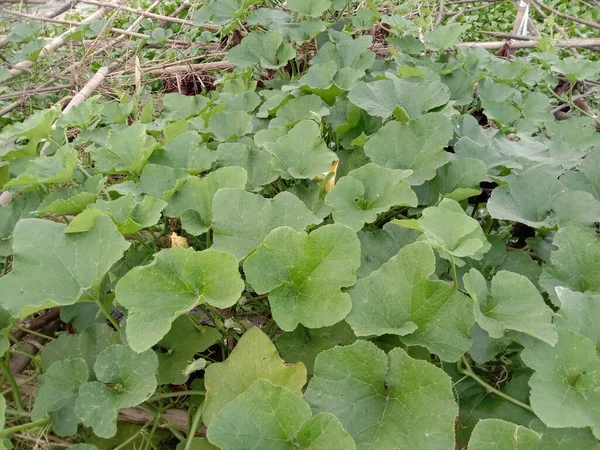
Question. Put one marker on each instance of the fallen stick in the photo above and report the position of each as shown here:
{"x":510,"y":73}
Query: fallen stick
{"x":567,"y":43}
{"x":91,"y":85}
{"x":55,"y":44}
{"x":506,"y":35}
{"x":203,"y":67}
{"x":185,"y":5}
{"x":35,"y":324}
{"x":36,"y":91}
{"x":21,"y":101}
{"x":20,"y":361}
{"x":556,"y":12}
{"x":208,"y":26}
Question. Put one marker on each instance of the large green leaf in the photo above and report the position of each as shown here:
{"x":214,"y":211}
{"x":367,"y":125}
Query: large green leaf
{"x":57,"y":393}
{"x":186,"y":151}
{"x":564,"y":438}
{"x":271,"y":416}
{"x":512,"y":302}
{"x":241,"y":220}
{"x":132,"y":216}
{"x":193,"y":200}
{"x":309,"y":8}
{"x":495,"y":434}
{"x":253,"y":358}
{"x":174,"y":283}
{"x":384,"y":401}
{"x":445,"y":36}
{"x":20,"y":207}
{"x":126,"y":151}
{"x":399,"y":298}
{"x":256,"y":162}
{"x":230,"y":124}
{"x":417,"y":145}
{"x":302,"y":152}
{"x":46,"y":170}
{"x":33,"y":130}
{"x":132,"y":380}
{"x":73,"y":200}
{"x":73,"y":265}
{"x":266,"y":49}
{"x":179,"y":346}
{"x":179,"y":107}
{"x":367,"y":191}
{"x":579,"y":313}
{"x":304,"y":274}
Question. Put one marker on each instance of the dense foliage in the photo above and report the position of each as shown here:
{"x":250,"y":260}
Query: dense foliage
{"x":331,"y":250}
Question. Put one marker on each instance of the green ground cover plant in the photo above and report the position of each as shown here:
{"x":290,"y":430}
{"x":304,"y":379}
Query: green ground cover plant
{"x":363,"y":236}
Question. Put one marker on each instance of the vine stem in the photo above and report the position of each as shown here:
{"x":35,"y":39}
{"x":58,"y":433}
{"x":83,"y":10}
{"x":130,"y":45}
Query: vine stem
{"x":133,"y":437}
{"x":35,"y":333}
{"x":13,"y":384}
{"x":108,"y":316}
{"x":454,"y":277}
{"x":468,"y":371}
{"x":193,"y":428}
{"x":26,"y":426}
{"x":164,"y":395}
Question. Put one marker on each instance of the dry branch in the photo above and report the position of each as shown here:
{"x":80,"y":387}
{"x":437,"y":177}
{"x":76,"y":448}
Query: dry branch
{"x":567,"y":43}
{"x":20,"y":361}
{"x":35,"y":324}
{"x":91,"y":85}
{"x":556,"y":26}
{"x":556,"y":12}
{"x":506,"y":35}
{"x":185,"y":5}
{"x":208,"y":26}
{"x":40,"y":90}
{"x":204,"y":67}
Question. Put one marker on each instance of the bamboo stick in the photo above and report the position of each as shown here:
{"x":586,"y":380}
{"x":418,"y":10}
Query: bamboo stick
{"x":91,"y":85}
{"x":203,"y":67}
{"x":208,"y":26}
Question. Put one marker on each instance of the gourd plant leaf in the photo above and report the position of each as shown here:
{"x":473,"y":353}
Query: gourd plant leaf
{"x":86,"y":345}
{"x":179,"y":346}
{"x":46,"y":170}
{"x":309,"y":8}
{"x":496,"y":434}
{"x":266,"y":49}
{"x":242,"y":220}
{"x":254,"y":357}
{"x":73,"y":265}
{"x":565,"y":385}
{"x":72,"y":200}
{"x":186,"y":151}
{"x":267,"y":413}
{"x":304,"y":274}
{"x":417,"y":145}
{"x":511,"y":302}
{"x":381,"y":97}
{"x":301,"y":152}
{"x":384,"y":401}
{"x":133,"y":380}
{"x":564,"y":438}
{"x":400,"y":299}
{"x":230,"y":124}
{"x":57,"y":393}
{"x":176,"y":281}
{"x":304,"y":344}
{"x":444,"y":36}
{"x":193,"y":200}
{"x":20,"y":207}
{"x":34,"y":129}
{"x":368,"y":191}
{"x":300,"y":108}
{"x":256,"y":162}
{"x":180,"y":107}
{"x":575,"y":263}
{"x":579,"y":313}
{"x":126,"y":151}
{"x":447,"y":228}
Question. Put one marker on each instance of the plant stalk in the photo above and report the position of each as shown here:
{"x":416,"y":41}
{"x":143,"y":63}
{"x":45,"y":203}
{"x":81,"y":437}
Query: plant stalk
{"x":26,"y":426}
{"x":193,"y":428}
{"x":13,"y":384}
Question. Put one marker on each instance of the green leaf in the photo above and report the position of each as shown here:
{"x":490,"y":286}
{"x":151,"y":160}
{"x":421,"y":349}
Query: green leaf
{"x":381,"y":98}
{"x":313,"y":196}
{"x":193,"y":200}
{"x":368,"y":191}
{"x":240,"y":101}
{"x":400,"y":299}
{"x":575,"y":262}
{"x":304,"y":344}
{"x":57,"y":392}
{"x":309,"y":8}
{"x":34,"y":130}
{"x":179,"y":346}
{"x":47,"y":170}
{"x":186,"y":151}
{"x":230,"y":124}
{"x":126,"y":151}
{"x":384,"y":401}
{"x":305,"y":107}
{"x":528,"y":198}
{"x":254,"y":357}
{"x":20,"y":207}
{"x":179,"y":107}
{"x":304,"y":274}
{"x":176,"y":281}
{"x":272,"y":416}
{"x":417,"y":145}
{"x":579,"y":313}
{"x":129,"y":215}
{"x":512,"y":302}
{"x":198,"y":444}
{"x":444,"y":36}
{"x":495,"y":434}
{"x":266,"y":49}
{"x":576,"y":209}
{"x":447,"y":228}
{"x":132,"y":376}
{"x":256,"y":162}
{"x":241,"y":220}
{"x":156,"y":181}
{"x":565,"y":385}
{"x":73,"y":200}
{"x":73,"y":265}
{"x":302,"y":152}
{"x":564,"y":438}
{"x":219,"y":12}
{"x":86,"y":345}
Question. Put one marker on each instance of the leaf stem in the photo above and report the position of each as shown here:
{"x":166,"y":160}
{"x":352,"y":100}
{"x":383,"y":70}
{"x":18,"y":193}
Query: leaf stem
{"x":108,"y":316}
{"x":468,"y":371}
{"x":13,"y":384}
{"x":193,"y":427}
{"x":454,"y":276}
{"x":133,"y":437}
{"x":26,"y":426}
{"x":164,"y":395}
{"x":35,"y":333}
